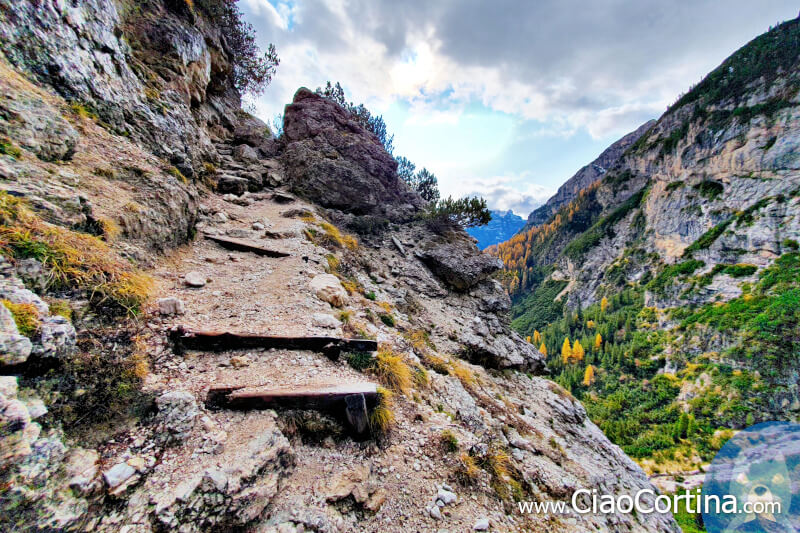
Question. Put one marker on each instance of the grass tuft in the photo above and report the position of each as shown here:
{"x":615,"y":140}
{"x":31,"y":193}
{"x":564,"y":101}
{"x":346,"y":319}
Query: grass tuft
{"x":382,"y":417}
{"x":71,"y":259}
{"x":393,"y":371}
{"x":449,"y":441}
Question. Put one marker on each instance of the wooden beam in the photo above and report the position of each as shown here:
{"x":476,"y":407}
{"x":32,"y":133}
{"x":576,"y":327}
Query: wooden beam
{"x":184,"y":338}
{"x":240,"y":245}
{"x":348,"y":401}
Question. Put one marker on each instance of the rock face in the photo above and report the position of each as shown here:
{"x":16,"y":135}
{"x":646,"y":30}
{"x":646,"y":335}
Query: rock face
{"x":453,"y":261}
{"x":699,"y":220}
{"x":334,"y":161}
{"x":84,"y":52}
{"x":586,"y":176}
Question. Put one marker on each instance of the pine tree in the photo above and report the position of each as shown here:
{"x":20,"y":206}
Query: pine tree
{"x":603,"y":304}
{"x":577,"y":351}
{"x":588,"y":376}
{"x":543,"y":349}
{"x":566,"y":351}
{"x":598,"y":342}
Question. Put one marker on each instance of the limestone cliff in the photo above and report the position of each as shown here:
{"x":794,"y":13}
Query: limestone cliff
{"x":140,"y":206}
{"x":685,"y":237}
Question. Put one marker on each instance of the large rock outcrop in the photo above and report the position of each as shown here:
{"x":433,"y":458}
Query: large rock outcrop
{"x":333,"y":161}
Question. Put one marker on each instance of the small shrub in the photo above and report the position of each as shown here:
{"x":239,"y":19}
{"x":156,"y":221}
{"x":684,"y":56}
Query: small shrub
{"x":464,"y":212}
{"x":360,"y":360}
{"x":370,"y":296}
{"x":420,"y":376}
{"x":393,"y":371}
{"x":387,"y":319}
{"x":464,"y":374}
{"x":709,"y":189}
{"x":26,"y":317}
{"x":83,"y":111}
{"x":9,"y":148}
{"x":382,"y":417}
{"x":449,"y":441}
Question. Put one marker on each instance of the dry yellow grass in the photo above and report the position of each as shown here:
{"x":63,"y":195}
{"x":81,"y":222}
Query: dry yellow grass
{"x":392,"y":370}
{"x":26,"y":316}
{"x":382,"y":417}
{"x":71,"y":259}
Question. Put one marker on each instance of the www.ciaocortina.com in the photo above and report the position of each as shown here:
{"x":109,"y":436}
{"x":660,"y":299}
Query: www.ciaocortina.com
{"x":646,"y":501}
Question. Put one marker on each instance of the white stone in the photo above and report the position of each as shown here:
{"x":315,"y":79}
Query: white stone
{"x":194,"y":279}
{"x":8,"y":386}
{"x":481,"y":525}
{"x":328,"y":288}
{"x":435,"y":512}
{"x":258,"y":226}
{"x":171,"y":306}
{"x":36,"y":408}
{"x":118,"y":474}
{"x":324,"y":320}
{"x":446,"y":496}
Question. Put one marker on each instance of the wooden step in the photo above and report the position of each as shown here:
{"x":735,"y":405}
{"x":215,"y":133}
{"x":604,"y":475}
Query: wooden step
{"x":241,"y":245}
{"x":184,"y":338}
{"x":353,"y":400}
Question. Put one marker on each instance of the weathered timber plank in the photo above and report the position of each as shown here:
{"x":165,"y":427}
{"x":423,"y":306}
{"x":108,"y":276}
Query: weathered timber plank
{"x":240,"y":245}
{"x":187,"y":339}
{"x":351,"y":401}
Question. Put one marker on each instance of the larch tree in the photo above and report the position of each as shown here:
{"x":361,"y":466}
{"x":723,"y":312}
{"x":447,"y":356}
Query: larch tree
{"x":598,"y":342}
{"x":588,"y":376}
{"x":603,"y":304}
{"x":577,"y":351}
{"x":566,"y":351}
{"x":537,"y":337}
{"x":543,"y":349}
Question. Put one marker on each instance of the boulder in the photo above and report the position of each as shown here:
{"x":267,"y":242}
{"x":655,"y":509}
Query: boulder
{"x":324,"y":320}
{"x":328,"y":288}
{"x":251,"y":131}
{"x":245,"y":153}
{"x":330,"y":159}
{"x":227,"y":184}
{"x":458,"y":262}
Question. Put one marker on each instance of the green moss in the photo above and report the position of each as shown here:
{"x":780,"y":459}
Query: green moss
{"x":26,"y":317}
{"x":9,"y":148}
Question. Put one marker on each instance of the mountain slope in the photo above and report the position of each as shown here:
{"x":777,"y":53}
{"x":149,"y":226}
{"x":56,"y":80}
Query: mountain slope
{"x":585,"y":177}
{"x":683,"y":259}
{"x":503,"y":226}
{"x":141,"y":210}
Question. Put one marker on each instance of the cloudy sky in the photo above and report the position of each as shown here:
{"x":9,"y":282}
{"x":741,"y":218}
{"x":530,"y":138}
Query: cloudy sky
{"x":506,"y":99}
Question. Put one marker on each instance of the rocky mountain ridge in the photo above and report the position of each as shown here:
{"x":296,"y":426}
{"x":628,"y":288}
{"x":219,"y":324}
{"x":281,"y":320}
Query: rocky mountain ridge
{"x":123,"y":152}
{"x":677,"y":267}
{"x":503,"y":226}
{"x":585,"y":177}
